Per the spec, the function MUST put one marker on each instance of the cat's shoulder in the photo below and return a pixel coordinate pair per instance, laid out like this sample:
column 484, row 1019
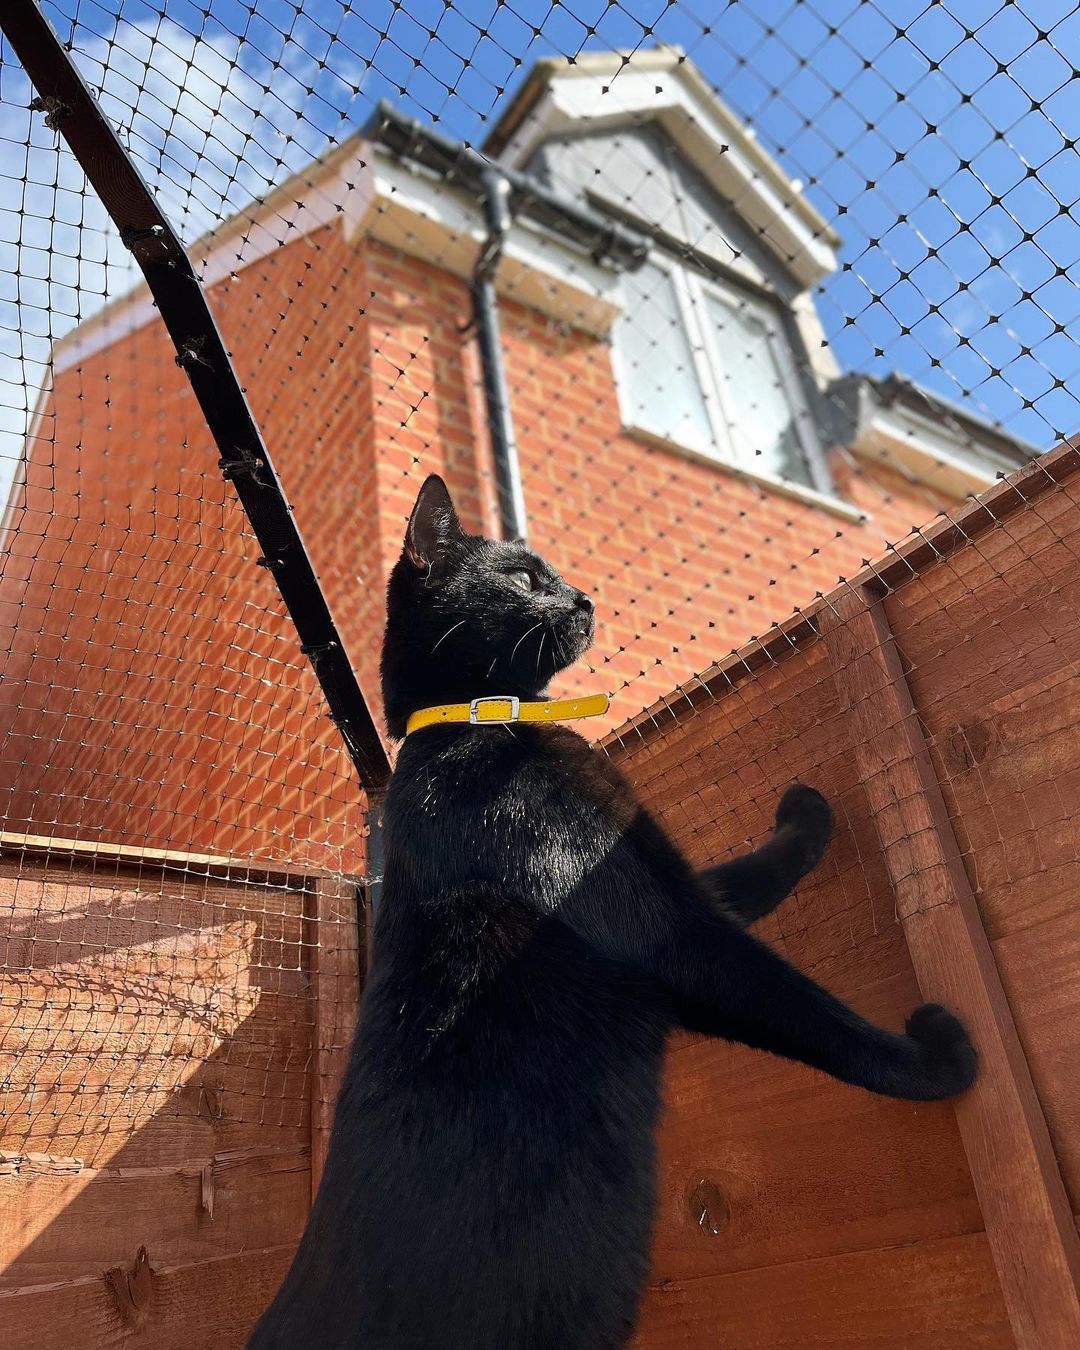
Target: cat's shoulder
column 490, row 756
column 569, row 749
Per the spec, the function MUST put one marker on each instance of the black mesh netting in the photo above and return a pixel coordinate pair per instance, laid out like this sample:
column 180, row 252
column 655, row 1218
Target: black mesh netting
column 783, row 287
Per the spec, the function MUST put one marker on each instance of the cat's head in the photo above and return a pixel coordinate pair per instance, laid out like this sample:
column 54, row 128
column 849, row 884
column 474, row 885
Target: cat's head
column 469, row 617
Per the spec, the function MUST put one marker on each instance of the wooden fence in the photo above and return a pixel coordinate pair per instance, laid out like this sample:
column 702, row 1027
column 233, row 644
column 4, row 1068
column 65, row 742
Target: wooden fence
column 172, row 1035
column 173, row 1027
column 934, row 699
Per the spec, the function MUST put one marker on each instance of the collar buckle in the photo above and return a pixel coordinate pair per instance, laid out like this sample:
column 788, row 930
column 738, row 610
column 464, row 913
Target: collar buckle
column 476, row 718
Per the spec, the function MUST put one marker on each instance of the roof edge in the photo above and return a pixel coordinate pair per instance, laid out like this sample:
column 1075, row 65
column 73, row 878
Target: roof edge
column 662, row 56
column 893, row 390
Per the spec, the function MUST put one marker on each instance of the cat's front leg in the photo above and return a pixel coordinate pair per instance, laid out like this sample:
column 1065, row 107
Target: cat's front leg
column 751, row 886
column 725, row 982
column 640, row 904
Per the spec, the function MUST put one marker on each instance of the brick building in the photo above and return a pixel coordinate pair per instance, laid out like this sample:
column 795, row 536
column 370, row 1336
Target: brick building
column 681, row 444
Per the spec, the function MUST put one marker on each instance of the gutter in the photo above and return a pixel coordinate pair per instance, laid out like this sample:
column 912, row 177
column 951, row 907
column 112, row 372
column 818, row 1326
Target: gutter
column 504, row 193
column 407, row 138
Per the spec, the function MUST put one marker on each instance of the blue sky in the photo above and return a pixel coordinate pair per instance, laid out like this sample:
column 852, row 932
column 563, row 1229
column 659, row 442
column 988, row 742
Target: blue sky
column 936, row 138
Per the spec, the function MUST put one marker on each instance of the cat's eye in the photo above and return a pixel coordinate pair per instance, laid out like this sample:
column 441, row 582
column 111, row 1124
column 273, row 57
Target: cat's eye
column 521, row 578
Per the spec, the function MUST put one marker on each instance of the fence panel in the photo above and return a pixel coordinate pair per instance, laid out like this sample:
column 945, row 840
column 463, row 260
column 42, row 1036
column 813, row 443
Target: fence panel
column 902, row 695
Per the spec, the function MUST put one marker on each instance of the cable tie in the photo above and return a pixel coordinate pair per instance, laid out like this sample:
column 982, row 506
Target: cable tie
column 317, row 649
column 131, row 235
column 55, row 109
column 244, row 465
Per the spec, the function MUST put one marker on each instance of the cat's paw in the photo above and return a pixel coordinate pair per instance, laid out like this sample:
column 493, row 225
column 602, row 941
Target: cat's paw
column 949, row 1059
column 804, row 810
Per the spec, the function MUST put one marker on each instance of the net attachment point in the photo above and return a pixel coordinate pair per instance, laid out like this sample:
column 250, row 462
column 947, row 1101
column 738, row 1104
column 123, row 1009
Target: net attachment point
column 248, row 465
column 131, row 235
column 55, row 109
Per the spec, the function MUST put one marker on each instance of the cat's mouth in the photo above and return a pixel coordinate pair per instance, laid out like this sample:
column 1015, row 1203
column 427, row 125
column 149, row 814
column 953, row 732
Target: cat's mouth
column 576, row 635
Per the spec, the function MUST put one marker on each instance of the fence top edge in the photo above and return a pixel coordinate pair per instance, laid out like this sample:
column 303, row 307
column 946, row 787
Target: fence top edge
column 222, row 867
column 896, row 567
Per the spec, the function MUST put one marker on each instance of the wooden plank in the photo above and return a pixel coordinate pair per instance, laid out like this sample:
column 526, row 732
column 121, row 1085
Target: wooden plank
column 1010, row 776
column 763, row 1162
column 205, row 1305
column 64, row 1224
column 762, row 1136
column 149, row 1019
column 53, row 847
column 1028, row 1220
column 1039, row 969
column 185, row 1134
column 939, row 1295
column 991, row 662
column 334, row 961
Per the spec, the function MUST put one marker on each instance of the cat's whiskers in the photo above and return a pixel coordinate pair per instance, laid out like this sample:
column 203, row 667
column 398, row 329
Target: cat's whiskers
column 447, row 634
column 522, row 638
column 540, row 652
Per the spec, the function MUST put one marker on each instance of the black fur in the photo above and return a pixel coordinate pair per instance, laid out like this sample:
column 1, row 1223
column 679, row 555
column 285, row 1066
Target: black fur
column 490, row 1178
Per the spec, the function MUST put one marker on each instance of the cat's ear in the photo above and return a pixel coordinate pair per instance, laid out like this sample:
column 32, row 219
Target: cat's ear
column 433, row 524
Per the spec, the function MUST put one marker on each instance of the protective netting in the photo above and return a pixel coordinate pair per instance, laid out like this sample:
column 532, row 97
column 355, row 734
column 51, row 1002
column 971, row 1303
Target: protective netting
column 781, row 287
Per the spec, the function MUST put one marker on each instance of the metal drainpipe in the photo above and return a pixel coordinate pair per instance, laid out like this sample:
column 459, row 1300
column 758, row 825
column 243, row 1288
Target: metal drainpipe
column 497, row 217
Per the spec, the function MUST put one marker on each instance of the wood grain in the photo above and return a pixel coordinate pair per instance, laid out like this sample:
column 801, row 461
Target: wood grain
column 795, row 1169
column 334, row 961
column 804, row 1167
column 58, row 1226
column 156, row 1032
column 203, row 1305
column 991, row 662
column 149, row 1013
column 1028, row 1221
column 937, row 1295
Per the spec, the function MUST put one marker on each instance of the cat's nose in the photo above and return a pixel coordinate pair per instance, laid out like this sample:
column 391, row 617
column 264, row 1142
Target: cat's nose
column 583, row 601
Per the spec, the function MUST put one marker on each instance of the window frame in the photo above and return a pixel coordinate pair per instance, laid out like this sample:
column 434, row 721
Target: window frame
column 690, row 289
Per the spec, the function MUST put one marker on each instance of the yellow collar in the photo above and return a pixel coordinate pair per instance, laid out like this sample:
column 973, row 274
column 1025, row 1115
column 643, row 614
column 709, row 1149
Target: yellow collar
column 496, row 709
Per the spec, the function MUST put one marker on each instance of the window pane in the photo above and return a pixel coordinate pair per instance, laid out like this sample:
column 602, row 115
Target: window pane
column 763, row 429
column 661, row 388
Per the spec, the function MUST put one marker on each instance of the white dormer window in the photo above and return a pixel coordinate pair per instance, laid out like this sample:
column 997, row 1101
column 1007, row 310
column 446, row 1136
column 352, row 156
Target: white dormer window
column 707, row 367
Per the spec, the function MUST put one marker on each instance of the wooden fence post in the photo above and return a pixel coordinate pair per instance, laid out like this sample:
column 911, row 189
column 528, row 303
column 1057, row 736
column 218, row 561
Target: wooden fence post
column 1025, row 1207
column 332, row 943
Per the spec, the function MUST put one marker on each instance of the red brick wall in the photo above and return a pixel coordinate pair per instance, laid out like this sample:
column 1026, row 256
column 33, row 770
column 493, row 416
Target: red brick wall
column 154, row 692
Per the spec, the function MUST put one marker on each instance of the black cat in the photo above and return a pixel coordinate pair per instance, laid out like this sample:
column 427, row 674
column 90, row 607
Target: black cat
column 490, row 1178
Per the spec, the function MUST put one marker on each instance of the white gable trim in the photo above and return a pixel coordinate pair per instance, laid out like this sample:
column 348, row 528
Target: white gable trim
column 299, row 207
column 928, row 451
column 16, row 494
column 718, row 145
column 414, row 210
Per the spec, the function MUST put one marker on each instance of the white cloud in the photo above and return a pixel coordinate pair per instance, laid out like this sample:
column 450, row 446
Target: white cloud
column 58, row 259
